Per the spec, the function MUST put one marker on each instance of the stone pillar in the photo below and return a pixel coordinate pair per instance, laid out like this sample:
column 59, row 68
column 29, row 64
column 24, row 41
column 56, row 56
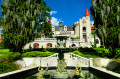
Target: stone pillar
column 90, row 62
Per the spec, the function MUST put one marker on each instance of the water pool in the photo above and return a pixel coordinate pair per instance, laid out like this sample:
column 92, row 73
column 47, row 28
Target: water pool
column 70, row 73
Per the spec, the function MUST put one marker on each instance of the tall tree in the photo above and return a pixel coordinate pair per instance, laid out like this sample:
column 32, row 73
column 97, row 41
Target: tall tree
column 21, row 21
column 106, row 15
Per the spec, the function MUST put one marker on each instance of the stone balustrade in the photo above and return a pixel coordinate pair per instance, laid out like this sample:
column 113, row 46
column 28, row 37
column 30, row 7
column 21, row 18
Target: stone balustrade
column 83, row 60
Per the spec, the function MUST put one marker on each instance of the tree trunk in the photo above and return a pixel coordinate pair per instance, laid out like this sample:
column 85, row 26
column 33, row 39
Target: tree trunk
column 118, row 40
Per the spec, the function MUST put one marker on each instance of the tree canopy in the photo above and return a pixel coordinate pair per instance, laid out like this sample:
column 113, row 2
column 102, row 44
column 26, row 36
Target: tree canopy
column 106, row 15
column 21, row 20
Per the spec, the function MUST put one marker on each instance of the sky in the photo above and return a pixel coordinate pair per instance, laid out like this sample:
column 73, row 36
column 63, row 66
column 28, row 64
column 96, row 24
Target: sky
column 69, row 11
column 0, row 7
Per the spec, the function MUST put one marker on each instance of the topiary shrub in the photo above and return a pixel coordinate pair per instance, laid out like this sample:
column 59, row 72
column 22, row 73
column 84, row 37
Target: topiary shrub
column 14, row 56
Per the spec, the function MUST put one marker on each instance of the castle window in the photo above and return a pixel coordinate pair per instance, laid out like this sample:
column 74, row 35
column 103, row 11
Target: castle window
column 49, row 45
column 84, row 21
column 35, row 45
column 97, row 41
column 84, row 29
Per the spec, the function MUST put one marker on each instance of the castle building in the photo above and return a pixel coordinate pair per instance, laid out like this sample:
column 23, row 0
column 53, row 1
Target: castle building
column 80, row 34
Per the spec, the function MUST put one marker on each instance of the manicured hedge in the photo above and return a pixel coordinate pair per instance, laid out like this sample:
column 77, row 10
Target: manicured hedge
column 37, row 54
column 14, row 56
column 87, row 54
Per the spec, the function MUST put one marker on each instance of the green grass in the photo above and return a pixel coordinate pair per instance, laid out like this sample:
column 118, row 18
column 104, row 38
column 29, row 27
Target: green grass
column 87, row 54
column 38, row 54
column 4, row 53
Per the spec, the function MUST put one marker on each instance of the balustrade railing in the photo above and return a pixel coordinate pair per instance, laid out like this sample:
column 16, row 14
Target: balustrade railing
column 45, row 39
column 83, row 60
column 49, row 60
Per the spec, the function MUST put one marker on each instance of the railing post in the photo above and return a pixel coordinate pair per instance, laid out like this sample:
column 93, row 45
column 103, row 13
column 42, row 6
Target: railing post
column 90, row 62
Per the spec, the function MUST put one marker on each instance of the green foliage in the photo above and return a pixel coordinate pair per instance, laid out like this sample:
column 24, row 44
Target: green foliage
column 55, row 46
column 30, row 46
column 69, row 45
column 99, row 50
column 14, row 56
column 21, row 20
column 106, row 15
column 1, row 46
column 42, row 46
column 85, row 47
column 117, row 54
column 102, row 50
column 86, row 54
column 4, row 53
column 77, row 37
column 75, row 52
column 6, row 66
column 46, row 28
column 37, row 54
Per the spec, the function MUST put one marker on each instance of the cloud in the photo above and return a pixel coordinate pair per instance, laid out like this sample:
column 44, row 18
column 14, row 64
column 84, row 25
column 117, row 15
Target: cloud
column 53, row 12
column 54, row 21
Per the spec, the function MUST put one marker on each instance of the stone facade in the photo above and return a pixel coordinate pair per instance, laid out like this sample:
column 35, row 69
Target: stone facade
column 82, row 29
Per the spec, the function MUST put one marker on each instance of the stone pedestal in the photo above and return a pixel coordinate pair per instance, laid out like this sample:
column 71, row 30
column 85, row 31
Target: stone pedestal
column 61, row 71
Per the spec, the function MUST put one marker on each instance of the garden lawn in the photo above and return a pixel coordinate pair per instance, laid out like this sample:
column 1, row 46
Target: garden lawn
column 37, row 54
column 4, row 53
column 87, row 54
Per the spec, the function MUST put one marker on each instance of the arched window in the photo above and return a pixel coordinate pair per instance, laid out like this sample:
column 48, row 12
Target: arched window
column 84, row 29
column 73, row 45
column 49, row 45
column 97, row 41
column 35, row 45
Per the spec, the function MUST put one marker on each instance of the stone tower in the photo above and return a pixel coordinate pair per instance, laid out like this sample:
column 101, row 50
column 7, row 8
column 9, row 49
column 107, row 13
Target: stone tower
column 83, row 28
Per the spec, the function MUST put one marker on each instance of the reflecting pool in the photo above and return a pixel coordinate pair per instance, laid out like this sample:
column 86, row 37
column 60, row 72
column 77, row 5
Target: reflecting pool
column 70, row 73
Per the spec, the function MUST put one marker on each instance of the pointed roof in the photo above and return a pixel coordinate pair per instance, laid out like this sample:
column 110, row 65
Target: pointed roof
column 87, row 12
column 49, row 21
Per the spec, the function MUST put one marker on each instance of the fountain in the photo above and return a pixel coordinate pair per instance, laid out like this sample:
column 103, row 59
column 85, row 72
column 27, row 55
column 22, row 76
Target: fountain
column 61, row 71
